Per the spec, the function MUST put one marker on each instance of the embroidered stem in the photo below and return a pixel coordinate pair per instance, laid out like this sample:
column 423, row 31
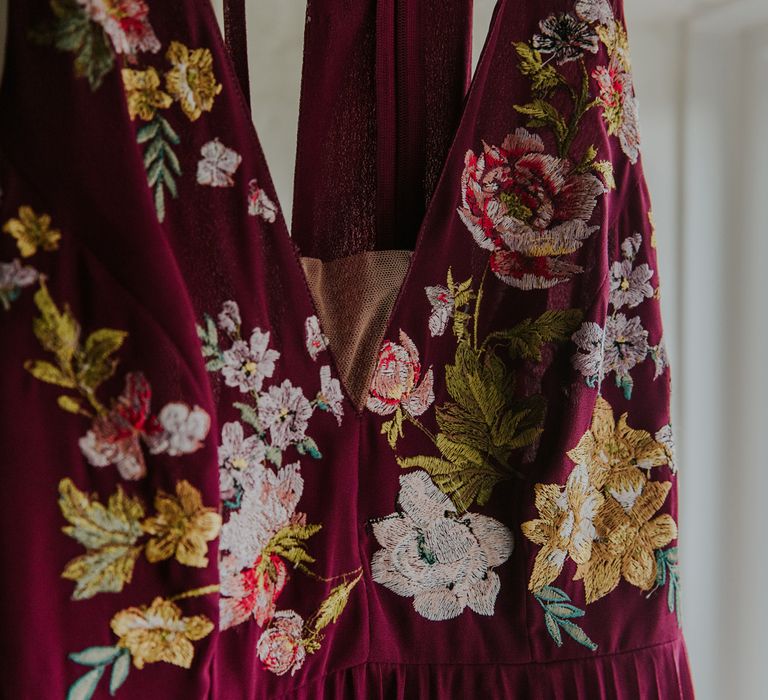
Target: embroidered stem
column 196, row 593
column 420, row 426
column 479, row 299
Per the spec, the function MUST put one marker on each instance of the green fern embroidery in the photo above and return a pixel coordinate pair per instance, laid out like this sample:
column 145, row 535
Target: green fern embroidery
column 160, row 161
column 559, row 614
column 667, row 571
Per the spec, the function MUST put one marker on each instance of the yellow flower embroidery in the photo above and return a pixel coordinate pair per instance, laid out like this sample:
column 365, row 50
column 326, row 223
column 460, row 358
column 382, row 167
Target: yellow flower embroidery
column 627, row 537
column 191, row 81
column 32, row 231
column 615, row 455
column 565, row 527
column 182, row 527
column 143, row 93
column 158, row 632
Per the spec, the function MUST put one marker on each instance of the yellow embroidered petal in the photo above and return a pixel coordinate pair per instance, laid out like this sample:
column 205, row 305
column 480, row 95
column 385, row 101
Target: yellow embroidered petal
column 32, row 231
column 537, row 531
column 143, row 93
column 191, row 81
column 547, row 567
column 660, row 531
column 158, row 632
column 182, row 527
column 639, row 566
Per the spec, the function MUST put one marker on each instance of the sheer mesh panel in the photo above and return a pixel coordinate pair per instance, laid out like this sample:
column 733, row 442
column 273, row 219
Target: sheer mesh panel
column 354, row 297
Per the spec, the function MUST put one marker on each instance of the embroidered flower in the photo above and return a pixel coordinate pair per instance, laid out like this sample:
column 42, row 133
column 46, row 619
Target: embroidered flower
column 628, row 536
column 143, row 93
column 259, row 203
column 444, row 561
column 115, row 436
column 252, row 592
column 32, row 231
column 397, row 380
column 528, row 208
column 158, row 632
column 241, row 459
column 285, row 412
column 191, row 81
column 620, row 109
column 184, row 428
column 630, row 285
column 182, row 527
column 229, row 317
column 265, row 509
column 626, row 345
column 331, row 397
column 565, row 37
column 281, row 647
column 615, row 455
column 660, row 358
column 315, row 339
column 217, row 165
column 246, row 365
column 126, row 24
column 565, row 526
column 588, row 360
column 594, row 11
column 666, row 437
column 441, row 300
column 13, row 278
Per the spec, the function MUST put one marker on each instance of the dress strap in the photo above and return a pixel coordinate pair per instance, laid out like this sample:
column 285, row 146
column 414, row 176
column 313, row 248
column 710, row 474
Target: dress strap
column 236, row 38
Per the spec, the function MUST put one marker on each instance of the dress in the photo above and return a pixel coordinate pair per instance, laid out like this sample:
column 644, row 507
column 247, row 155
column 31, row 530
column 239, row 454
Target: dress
column 418, row 448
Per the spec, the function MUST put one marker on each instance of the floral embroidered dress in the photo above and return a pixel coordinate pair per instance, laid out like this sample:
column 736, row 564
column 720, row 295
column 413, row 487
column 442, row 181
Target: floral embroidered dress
column 200, row 499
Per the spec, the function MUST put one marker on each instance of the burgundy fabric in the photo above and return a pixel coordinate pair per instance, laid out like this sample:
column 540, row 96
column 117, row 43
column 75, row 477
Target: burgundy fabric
column 237, row 41
column 365, row 173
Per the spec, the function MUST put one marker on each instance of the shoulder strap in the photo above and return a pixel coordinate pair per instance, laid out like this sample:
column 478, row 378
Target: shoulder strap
column 236, row 38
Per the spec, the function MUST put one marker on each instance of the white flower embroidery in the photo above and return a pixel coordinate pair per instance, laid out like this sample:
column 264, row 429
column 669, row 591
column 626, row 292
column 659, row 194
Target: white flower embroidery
column 246, row 365
column 259, row 204
column 185, row 429
column 331, row 397
column 251, row 592
column 589, row 358
column 285, row 412
column 229, row 317
column 217, row 165
column 630, row 285
column 666, row 437
column 240, row 459
column 660, row 358
column 595, row 11
column 13, row 278
column 441, row 300
column 443, row 560
column 266, row 508
column 316, row 340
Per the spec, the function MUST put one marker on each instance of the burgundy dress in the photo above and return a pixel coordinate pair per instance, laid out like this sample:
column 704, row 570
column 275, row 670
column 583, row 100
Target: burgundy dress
column 200, row 497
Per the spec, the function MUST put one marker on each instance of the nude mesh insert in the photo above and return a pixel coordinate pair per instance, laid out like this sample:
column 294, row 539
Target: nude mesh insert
column 354, row 297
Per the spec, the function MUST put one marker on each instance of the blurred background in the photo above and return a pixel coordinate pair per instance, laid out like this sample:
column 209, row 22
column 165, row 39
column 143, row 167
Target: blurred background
column 701, row 73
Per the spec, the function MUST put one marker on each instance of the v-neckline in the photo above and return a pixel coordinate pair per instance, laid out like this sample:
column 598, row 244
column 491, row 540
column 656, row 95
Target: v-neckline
column 280, row 225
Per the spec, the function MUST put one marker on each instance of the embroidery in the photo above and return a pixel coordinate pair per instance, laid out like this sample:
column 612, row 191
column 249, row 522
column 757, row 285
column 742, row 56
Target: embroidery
column 605, row 519
column 623, row 343
column 316, row 341
column 191, row 81
column 284, row 645
column 146, row 634
column 112, row 534
column 442, row 559
column 442, row 302
column 667, row 572
column 559, row 614
column 263, row 532
column 13, row 278
column 32, row 231
column 125, row 23
column 485, row 421
column 217, row 165
column 259, row 203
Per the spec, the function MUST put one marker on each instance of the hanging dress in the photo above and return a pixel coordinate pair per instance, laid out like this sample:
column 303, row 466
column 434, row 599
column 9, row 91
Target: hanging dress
column 419, row 447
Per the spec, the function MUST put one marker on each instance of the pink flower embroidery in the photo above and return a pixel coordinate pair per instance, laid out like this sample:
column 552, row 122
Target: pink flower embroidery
column 126, row 24
column 251, row 592
column 620, row 107
column 441, row 301
column 397, row 380
column 280, row 647
column 259, row 203
column 527, row 208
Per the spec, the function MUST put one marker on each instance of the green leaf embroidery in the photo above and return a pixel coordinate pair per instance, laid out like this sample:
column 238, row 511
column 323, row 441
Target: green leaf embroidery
column 109, row 534
column 543, row 78
column 73, row 31
column 527, row 338
column 85, row 686
column 558, row 615
column 99, row 657
column 290, row 543
column 309, row 446
column 96, row 656
column 120, row 670
column 667, row 571
column 163, row 167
